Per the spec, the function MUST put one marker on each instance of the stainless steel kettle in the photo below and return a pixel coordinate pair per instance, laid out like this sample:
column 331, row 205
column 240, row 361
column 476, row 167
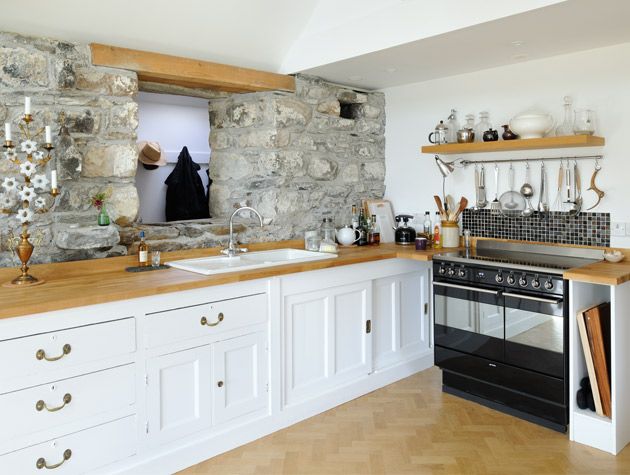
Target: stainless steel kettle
column 404, row 234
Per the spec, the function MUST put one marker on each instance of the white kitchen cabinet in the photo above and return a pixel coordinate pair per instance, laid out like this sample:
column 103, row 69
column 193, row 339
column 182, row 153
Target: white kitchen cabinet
column 179, row 394
column 326, row 339
column 401, row 322
column 239, row 376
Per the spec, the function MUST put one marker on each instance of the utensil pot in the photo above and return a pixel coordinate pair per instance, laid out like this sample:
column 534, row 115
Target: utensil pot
column 450, row 234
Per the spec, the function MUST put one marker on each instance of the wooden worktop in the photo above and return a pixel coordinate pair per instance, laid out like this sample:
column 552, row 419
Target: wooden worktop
column 89, row 282
column 604, row 273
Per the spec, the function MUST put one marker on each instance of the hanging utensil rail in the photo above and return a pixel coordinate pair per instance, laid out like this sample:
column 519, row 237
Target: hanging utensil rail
column 541, row 159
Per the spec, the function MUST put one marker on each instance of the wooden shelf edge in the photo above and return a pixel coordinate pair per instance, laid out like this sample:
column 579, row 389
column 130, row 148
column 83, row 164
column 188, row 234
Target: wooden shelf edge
column 519, row 144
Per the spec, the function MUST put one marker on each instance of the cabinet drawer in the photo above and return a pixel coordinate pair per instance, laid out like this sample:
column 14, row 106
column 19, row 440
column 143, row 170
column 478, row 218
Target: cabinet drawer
column 63, row 402
column 206, row 319
column 80, row 452
column 47, row 352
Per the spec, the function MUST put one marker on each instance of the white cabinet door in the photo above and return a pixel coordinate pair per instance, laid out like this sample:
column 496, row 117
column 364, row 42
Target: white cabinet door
column 401, row 324
column 179, row 399
column 239, row 376
column 326, row 339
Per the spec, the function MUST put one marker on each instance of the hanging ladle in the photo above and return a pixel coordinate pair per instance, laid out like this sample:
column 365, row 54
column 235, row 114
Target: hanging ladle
column 528, row 192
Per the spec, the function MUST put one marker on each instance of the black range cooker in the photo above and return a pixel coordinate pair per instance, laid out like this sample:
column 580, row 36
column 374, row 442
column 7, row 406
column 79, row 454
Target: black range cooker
column 501, row 327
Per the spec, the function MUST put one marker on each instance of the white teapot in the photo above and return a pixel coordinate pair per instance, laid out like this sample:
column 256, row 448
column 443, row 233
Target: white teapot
column 347, row 236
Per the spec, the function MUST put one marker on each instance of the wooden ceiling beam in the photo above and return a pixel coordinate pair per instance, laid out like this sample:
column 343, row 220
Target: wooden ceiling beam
column 186, row 72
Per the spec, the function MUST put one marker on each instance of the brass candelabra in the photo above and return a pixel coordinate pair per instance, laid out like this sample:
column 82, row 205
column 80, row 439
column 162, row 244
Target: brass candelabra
column 29, row 196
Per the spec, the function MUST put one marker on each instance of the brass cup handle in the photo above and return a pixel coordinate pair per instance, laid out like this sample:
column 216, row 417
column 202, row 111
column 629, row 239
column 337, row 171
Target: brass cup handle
column 41, row 354
column 204, row 320
column 41, row 405
column 41, row 462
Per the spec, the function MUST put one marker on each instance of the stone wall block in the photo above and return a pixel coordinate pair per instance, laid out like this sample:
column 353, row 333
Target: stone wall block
column 23, row 68
column 373, row 171
column 220, row 139
column 326, row 124
column 370, row 126
column 124, row 116
column 124, row 204
column 244, row 114
column 346, row 96
column 289, row 112
column 282, row 163
column 329, row 107
column 82, row 121
column 65, row 74
column 106, row 81
column 262, row 138
column 367, row 111
column 350, row 173
column 226, row 165
column 90, row 237
column 119, row 161
column 322, row 169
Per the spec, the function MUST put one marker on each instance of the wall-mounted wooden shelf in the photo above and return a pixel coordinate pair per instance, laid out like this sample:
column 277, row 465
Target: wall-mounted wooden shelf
column 567, row 141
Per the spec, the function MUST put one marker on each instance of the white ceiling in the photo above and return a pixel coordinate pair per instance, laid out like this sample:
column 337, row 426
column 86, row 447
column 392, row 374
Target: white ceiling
column 247, row 33
column 370, row 44
column 561, row 28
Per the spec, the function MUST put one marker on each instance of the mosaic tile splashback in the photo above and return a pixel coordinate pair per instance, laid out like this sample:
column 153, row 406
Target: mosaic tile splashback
column 586, row 229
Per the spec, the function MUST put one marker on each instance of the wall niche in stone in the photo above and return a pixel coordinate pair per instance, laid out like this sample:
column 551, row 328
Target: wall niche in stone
column 174, row 122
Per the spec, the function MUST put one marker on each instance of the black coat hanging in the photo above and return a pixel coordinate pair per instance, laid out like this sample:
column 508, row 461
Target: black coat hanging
column 185, row 195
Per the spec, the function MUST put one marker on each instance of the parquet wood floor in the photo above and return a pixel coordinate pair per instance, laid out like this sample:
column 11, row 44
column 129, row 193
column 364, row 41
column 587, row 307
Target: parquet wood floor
column 411, row 427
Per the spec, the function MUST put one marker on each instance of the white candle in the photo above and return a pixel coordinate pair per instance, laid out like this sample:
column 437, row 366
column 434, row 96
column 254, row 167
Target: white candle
column 53, row 179
column 27, row 105
column 7, row 131
column 48, row 134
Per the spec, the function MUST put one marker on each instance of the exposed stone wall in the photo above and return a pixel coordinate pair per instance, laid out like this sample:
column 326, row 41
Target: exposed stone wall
column 101, row 116
column 291, row 156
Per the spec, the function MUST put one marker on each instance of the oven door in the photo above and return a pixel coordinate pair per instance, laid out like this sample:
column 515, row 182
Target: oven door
column 535, row 332
column 469, row 319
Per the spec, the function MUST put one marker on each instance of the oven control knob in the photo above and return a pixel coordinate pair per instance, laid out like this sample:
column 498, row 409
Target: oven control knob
column 522, row 281
column 511, row 279
column 498, row 277
column 462, row 273
column 442, row 270
column 451, row 272
column 549, row 284
column 535, row 283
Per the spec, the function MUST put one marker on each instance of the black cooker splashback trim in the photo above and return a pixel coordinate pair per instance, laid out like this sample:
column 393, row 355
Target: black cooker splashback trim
column 586, row 229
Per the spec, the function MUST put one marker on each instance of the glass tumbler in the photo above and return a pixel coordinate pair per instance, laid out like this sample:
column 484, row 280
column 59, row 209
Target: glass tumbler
column 584, row 123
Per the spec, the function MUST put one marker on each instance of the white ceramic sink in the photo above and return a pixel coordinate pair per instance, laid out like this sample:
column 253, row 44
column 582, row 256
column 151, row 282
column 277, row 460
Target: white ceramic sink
column 246, row 261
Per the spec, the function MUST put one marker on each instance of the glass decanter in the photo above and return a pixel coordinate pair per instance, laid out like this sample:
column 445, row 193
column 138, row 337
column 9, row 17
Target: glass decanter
column 453, row 126
column 566, row 127
column 483, row 125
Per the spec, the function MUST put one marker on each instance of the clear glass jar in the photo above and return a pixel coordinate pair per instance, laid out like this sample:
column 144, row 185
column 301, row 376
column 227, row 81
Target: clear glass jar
column 584, row 122
column 453, row 126
column 566, row 128
column 328, row 230
column 483, row 125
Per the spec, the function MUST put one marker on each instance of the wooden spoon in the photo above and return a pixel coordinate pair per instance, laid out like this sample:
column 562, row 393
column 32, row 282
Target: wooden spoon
column 463, row 202
column 438, row 202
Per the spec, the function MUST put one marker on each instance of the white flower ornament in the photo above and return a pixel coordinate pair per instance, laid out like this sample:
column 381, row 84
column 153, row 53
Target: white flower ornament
column 27, row 193
column 28, row 146
column 27, row 168
column 40, row 202
column 7, row 201
column 24, row 215
column 39, row 181
column 9, row 183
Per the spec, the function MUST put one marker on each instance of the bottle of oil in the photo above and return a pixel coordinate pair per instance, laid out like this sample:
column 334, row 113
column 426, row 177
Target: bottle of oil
column 143, row 251
column 374, row 236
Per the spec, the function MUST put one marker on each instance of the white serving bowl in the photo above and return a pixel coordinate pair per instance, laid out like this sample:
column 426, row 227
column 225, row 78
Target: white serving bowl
column 613, row 256
column 531, row 124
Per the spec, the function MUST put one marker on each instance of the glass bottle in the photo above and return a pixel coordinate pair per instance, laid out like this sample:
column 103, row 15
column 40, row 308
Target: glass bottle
column 453, row 126
column 103, row 217
column 566, row 127
column 483, row 125
column 427, row 224
column 437, row 225
column 584, row 122
column 363, row 238
column 143, row 252
column 374, row 237
column 355, row 217
column 328, row 229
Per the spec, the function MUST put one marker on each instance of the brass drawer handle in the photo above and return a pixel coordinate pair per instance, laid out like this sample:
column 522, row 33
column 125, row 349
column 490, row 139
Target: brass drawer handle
column 41, row 405
column 41, row 462
column 220, row 384
column 204, row 321
column 41, row 354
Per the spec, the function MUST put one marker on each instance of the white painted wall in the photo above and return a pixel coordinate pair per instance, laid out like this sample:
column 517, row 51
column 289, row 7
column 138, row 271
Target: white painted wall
column 596, row 78
column 174, row 122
